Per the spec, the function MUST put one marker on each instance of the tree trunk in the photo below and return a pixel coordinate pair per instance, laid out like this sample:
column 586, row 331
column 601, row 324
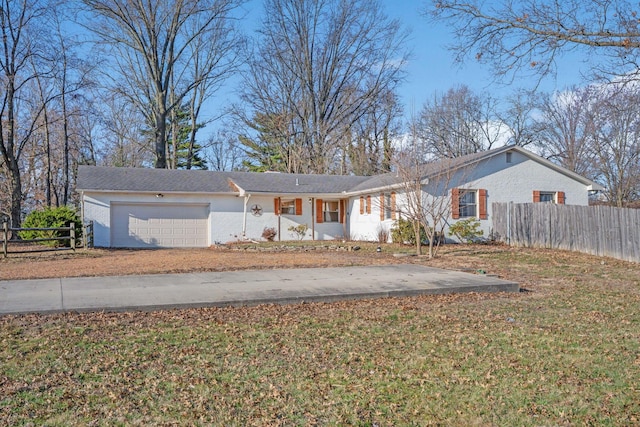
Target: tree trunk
column 47, row 141
column 16, row 196
column 65, row 160
column 161, row 141
column 12, row 160
column 416, row 231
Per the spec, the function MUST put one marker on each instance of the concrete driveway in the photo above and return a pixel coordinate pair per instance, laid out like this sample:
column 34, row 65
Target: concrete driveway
column 237, row 288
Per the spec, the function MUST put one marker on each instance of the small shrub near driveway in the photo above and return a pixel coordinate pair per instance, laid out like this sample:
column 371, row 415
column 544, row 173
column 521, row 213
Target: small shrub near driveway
column 402, row 232
column 467, row 230
column 269, row 233
column 49, row 217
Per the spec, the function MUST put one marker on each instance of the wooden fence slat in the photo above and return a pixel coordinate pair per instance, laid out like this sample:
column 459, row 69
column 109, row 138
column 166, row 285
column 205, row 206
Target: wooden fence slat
column 597, row 230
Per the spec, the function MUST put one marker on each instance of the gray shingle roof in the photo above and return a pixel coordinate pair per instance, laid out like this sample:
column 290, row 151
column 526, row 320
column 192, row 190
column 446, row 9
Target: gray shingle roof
column 166, row 180
column 144, row 179
column 190, row 181
column 294, row 183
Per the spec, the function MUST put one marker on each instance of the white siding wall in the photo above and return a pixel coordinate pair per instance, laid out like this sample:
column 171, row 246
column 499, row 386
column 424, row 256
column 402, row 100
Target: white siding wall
column 504, row 182
column 97, row 209
column 366, row 227
column 363, row 227
column 225, row 219
column 516, row 182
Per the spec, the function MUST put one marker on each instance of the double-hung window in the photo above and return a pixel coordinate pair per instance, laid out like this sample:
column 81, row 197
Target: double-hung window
column 548, row 197
column 387, row 206
column 468, row 203
column 365, row 205
column 287, row 206
column 331, row 211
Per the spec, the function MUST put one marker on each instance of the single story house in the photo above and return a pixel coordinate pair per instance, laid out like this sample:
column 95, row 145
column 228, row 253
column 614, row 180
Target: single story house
column 141, row 207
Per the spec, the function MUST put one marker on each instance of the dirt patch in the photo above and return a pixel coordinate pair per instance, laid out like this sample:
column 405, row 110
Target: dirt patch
column 481, row 259
column 110, row 262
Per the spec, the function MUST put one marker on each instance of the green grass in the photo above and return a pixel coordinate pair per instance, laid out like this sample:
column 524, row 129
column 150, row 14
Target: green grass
column 566, row 353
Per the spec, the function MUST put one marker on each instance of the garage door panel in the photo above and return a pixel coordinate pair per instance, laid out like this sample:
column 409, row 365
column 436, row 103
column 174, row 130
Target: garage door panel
column 159, row 225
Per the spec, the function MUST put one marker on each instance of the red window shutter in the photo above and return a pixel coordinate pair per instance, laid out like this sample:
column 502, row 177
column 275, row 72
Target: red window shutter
column 361, row 205
column 482, row 203
column 381, row 207
column 560, row 197
column 393, row 205
column 536, row 196
column 298, row 206
column 343, row 211
column 455, row 203
column 369, row 205
column 319, row 212
column 276, row 205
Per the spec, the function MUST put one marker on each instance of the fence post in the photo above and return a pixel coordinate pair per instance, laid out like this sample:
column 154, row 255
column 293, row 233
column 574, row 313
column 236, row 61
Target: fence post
column 87, row 235
column 509, row 223
column 5, row 232
column 72, row 235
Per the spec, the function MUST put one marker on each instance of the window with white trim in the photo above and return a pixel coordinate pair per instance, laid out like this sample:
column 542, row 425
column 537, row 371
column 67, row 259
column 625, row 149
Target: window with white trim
column 288, row 207
column 547, row 197
column 387, row 206
column 331, row 211
column 468, row 203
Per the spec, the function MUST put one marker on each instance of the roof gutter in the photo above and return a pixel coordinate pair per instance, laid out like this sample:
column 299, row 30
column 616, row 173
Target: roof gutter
column 153, row 193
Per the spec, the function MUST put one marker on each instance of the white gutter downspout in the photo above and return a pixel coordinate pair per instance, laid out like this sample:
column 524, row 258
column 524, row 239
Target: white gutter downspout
column 244, row 217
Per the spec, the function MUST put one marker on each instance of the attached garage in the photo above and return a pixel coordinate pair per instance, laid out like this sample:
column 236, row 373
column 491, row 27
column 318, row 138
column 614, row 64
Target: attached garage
column 156, row 225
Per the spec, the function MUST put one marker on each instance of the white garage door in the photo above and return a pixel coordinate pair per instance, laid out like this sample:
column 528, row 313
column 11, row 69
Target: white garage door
column 159, row 225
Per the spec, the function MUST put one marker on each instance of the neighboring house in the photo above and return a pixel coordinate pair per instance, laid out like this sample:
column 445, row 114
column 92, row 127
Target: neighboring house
column 136, row 207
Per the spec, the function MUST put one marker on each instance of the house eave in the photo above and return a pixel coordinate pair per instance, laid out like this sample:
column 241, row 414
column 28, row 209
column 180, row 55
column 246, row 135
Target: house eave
column 155, row 192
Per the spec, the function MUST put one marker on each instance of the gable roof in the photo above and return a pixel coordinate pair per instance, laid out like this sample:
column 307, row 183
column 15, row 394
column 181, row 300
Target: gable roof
column 252, row 182
column 433, row 169
column 100, row 178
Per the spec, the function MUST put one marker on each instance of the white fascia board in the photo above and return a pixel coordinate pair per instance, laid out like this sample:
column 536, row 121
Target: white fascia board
column 189, row 193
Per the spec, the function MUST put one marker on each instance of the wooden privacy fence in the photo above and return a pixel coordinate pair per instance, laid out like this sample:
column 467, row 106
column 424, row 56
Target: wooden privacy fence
column 596, row 230
column 71, row 237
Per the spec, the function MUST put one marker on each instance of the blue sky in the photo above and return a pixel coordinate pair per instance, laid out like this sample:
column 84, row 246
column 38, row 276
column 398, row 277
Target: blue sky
column 432, row 69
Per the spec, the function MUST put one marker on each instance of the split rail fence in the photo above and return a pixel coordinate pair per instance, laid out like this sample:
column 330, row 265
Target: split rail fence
column 596, row 230
column 7, row 233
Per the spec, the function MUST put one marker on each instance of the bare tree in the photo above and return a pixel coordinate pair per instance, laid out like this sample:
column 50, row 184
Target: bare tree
column 155, row 46
column 595, row 131
column 224, row 152
column 565, row 130
column 121, row 130
column 426, row 189
column 518, row 119
column 528, row 36
column 458, row 123
column 371, row 150
column 20, row 28
column 616, row 142
column 320, row 66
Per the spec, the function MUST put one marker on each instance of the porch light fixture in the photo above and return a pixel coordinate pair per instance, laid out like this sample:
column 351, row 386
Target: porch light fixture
column 159, row 195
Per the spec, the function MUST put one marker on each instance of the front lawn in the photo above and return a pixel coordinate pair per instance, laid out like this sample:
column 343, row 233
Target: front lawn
column 567, row 351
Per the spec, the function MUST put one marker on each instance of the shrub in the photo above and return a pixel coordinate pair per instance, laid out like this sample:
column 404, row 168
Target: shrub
column 466, row 230
column 383, row 234
column 49, row 217
column 402, row 232
column 269, row 233
column 299, row 231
